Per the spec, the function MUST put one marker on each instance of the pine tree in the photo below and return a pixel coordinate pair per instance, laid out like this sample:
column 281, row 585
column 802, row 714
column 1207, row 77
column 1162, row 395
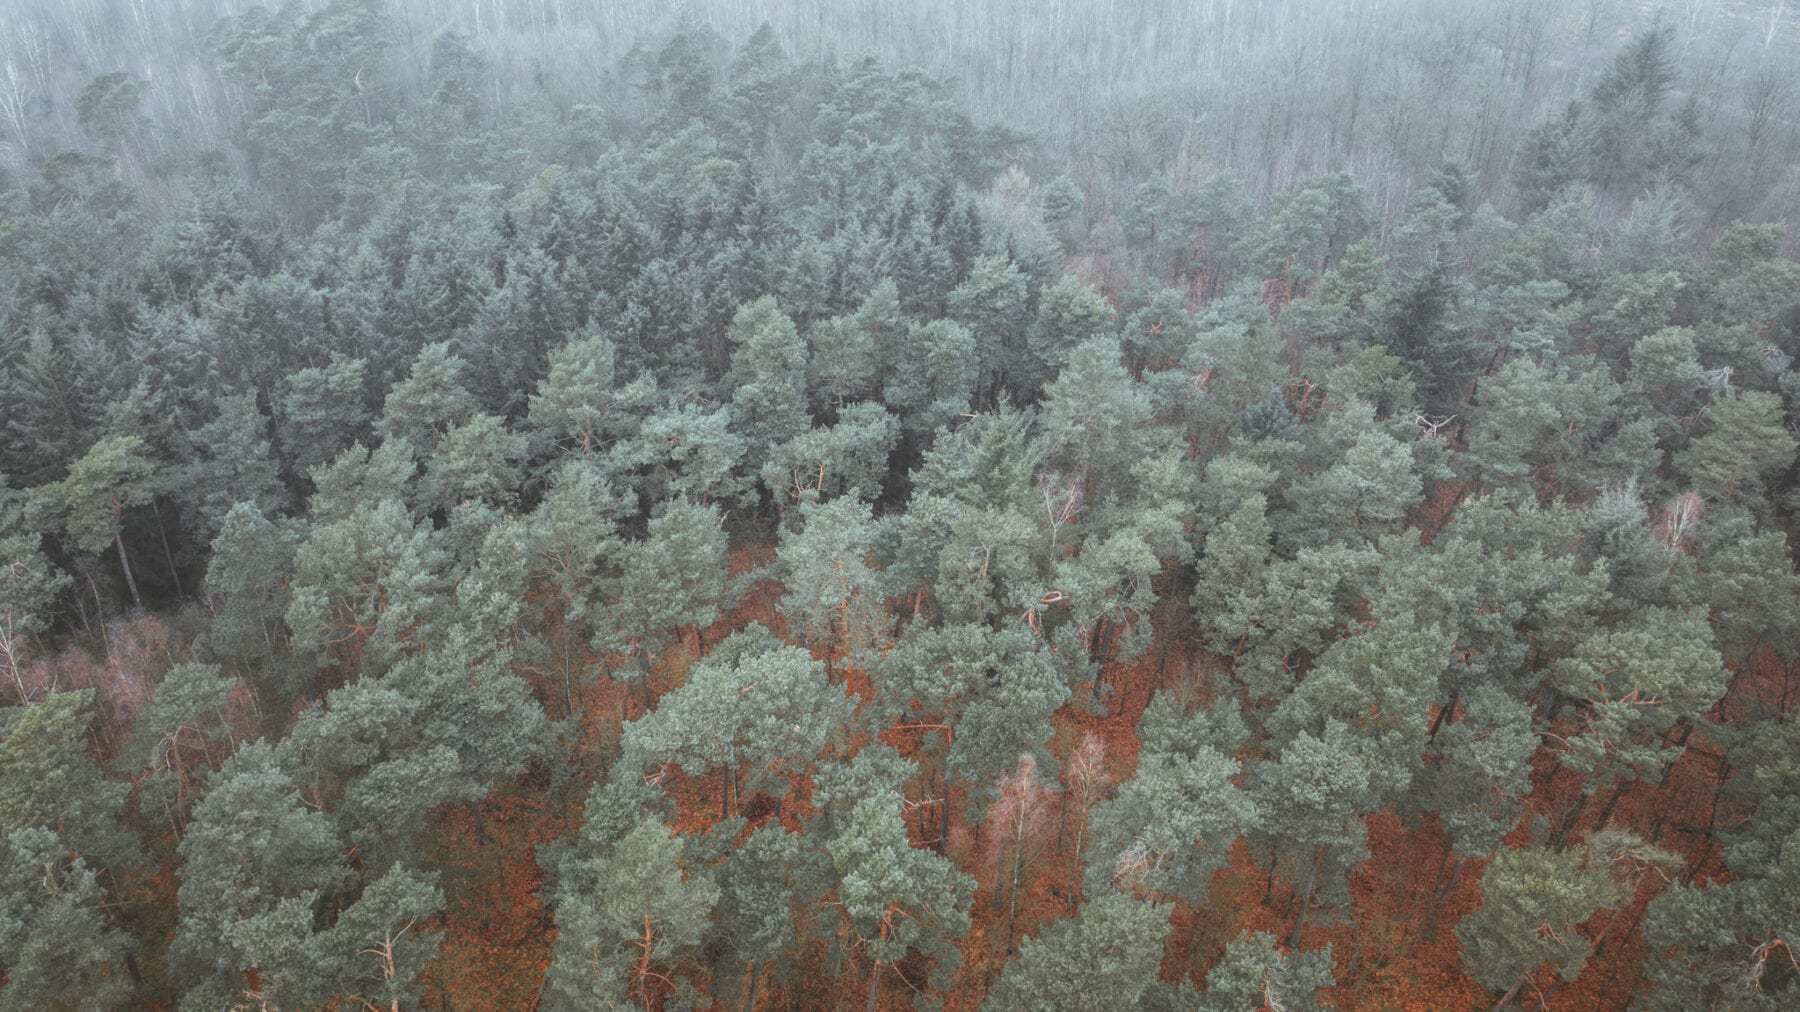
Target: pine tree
column 896, row 899
column 1551, row 160
column 768, row 367
column 994, row 304
column 322, row 412
column 1112, row 948
column 48, row 781
column 113, row 476
column 424, row 406
column 1532, row 899
column 1165, row 831
column 29, row 588
column 675, row 580
column 629, row 907
column 58, row 946
column 232, row 464
column 754, row 705
column 834, row 598
column 1255, row 972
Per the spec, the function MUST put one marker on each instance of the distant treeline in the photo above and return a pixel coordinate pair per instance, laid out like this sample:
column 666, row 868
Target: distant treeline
column 1271, row 92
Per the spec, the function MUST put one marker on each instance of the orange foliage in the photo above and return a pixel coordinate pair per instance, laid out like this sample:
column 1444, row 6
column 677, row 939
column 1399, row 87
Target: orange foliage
column 497, row 933
column 1396, row 949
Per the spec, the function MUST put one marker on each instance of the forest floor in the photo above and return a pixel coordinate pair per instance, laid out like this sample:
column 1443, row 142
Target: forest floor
column 1397, row 949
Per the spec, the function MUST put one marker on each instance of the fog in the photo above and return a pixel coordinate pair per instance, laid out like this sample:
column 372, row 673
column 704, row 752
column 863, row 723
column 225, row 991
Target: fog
column 1269, row 91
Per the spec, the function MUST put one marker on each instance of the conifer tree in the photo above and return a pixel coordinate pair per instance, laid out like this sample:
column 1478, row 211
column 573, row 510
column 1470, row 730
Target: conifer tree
column 1110, row 948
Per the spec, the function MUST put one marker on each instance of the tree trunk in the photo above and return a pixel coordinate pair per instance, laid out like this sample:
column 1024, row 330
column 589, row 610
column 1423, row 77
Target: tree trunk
column 1712, row 815
column 944, row 817
column 640, row 687
column 1012, row 895
column 1442, row 715
column 168, row 556
column 874, row 981
column 568, row 676
column 125, row 564
column 1443, row 898
column 1607, row 812
column 1312, row 879
column 1076, row 868
column 644, row 966
column 81, row 610
column 481, row 830
column 1681, row 740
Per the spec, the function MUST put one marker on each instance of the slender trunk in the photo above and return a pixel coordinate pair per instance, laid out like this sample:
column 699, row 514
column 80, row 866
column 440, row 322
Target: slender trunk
column 640, row 686
column 1687, row 731
column 1312, row 879
column 1572, row 818
column 99, row 613
column 1712, row 815
column 81, row 612
column 944, row 816
column 1506, row 999
column 12, row 664
column 125, row 564
column 1075, row 872
column 1012, row 891
column 1443, row 714
column 1437, row 877
column 1566, row 823
column 1443, row 899
column 644, row 966
column 481, row 833
column 843, row 639
column 874, row 981
column 168, row 556
column 1607, row 812
column 568, row 676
